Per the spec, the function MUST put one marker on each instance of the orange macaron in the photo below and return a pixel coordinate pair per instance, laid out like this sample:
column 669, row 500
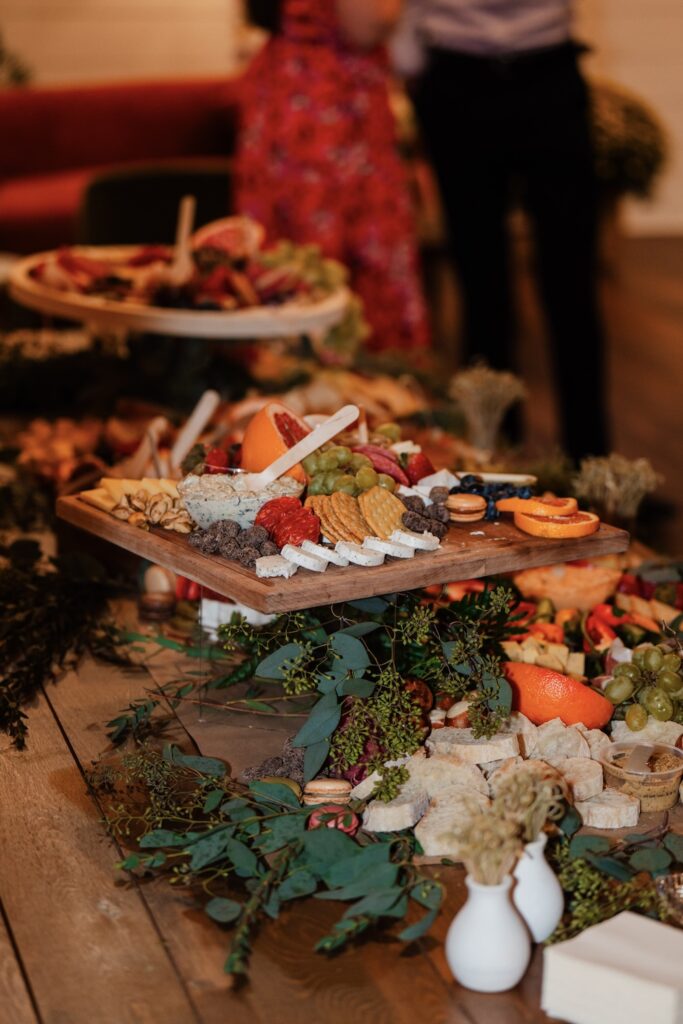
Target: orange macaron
column 466, row 508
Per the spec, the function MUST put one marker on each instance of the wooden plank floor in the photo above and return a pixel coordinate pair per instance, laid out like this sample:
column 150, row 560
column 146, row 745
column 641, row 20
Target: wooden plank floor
column 78, row 946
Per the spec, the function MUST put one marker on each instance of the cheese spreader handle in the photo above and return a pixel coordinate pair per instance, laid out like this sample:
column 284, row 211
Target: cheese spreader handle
column 318, row 436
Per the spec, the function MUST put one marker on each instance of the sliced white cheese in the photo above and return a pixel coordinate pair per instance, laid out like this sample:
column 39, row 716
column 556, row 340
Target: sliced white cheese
column 525, row 730
column 389, row 547
column 461, row 743
column 582, row 775
column 598, row 742
column 303, row 558
column 437, row 832
column 402, row 812
column 98, row 498
column 269, row 566
column 611, row 809
column 440, row 771
column 654, row 732
column 421, row 541
column 327, row 553
column 162, row 485
column 357, row 554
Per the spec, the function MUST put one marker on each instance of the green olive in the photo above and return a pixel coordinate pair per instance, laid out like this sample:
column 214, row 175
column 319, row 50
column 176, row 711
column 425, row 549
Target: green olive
column 636, row 718
column 652, row 660
column 619, row 690
column 659, row 704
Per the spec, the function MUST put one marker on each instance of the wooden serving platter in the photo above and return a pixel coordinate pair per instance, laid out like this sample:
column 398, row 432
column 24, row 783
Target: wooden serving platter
column 471, row 551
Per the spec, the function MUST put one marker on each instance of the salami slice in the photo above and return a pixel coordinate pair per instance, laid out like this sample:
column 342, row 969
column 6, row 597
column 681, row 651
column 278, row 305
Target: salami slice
column 297, row 528
column 270, row 514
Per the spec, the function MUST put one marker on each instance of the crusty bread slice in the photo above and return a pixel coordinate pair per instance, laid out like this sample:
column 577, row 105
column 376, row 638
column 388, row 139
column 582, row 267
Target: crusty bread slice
column 461, row 743
column 441, row 771
column 582, row 775
column 611, row 809
column 402, row 812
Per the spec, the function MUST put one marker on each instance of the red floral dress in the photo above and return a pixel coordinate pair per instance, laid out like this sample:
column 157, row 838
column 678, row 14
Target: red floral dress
column 318, row 162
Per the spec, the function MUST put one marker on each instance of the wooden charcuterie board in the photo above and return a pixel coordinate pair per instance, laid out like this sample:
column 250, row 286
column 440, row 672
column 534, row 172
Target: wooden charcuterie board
column 469, row 551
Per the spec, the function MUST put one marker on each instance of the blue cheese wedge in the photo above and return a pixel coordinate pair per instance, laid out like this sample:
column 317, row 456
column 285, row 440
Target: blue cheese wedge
column 269, row 566
column 213, row 497
column 325, row 552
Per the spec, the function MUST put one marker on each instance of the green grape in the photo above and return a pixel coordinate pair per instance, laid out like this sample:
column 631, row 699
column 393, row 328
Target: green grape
column 636, row 718
column 659, row 704
column 672, row 662
column 639, row 655
column 359, row 461
column 387, row 482
column 366, row 477
column 331, row 478
column 390, row 430
column 628, row 670
column 327, row 461
column 652, row 660
column 310, row 464
column 619, row 690
column 669, row 681
column 317, row 484
column 345, row 482
column 644, row 694
column 341, row 453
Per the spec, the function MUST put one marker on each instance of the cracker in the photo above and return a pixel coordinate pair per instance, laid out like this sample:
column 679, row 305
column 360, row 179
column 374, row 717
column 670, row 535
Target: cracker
column 383, row 512
column 332, row 529
column 346, row 508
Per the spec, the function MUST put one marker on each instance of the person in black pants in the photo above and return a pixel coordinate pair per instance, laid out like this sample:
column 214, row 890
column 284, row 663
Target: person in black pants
column 505, row 125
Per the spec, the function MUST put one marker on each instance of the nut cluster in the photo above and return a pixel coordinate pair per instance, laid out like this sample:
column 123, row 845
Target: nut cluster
column 144, row 510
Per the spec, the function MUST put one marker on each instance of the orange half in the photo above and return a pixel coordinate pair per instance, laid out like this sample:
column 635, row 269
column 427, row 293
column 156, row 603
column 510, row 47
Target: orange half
column 269, row 434
column 539, row 506
column 543, row 694
column 578, row 524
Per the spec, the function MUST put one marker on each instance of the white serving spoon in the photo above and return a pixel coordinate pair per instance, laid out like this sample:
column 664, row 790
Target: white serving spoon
column 135, row 465
column 181, row 268
column 318, row 436
column 197, row 420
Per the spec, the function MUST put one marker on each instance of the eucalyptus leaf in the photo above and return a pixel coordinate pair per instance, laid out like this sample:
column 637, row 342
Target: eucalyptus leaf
column 314, row 758
column 257, row 705
column 223, row 910
column 352, row 652
column 328, row 683
column 275, row 791
column 361, row 628
column 281, row 831
column 131, row 861
column 382, row 876
column 581, row 845
column 346, row 870
column 162, row 837
column 300, row 883
column 371, row 605
column 420, row 928
column 210, row 848
column 612, row 867
column 213, row 799
column 326, row 847
column 674, row 844
column 321, row 722
column 206, row 765
column 356, row 688
column 273, row 666
column 571, row 822
column 501, row 697
column 655, row 860
column 428, row 894
column 378, row 903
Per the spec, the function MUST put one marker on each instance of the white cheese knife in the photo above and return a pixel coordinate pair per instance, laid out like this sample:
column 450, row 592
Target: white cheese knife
column 322, row 433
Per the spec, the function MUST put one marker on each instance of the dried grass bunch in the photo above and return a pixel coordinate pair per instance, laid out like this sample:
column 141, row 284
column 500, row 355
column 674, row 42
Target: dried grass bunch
column 484, row 396
column 490, row 846
column 529, row 798
column 615, row 485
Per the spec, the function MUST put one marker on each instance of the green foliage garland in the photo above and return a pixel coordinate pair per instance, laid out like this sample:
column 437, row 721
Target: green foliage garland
column 248, row 851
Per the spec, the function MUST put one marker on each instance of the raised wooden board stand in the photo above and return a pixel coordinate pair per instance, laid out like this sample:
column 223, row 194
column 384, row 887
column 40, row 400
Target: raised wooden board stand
column 475, row 550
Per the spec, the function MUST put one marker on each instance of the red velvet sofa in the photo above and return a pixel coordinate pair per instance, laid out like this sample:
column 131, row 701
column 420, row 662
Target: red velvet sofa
column 55, row 139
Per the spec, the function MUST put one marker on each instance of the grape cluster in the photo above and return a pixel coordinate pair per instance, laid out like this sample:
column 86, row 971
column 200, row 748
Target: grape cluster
column 337, row 468
column 492, row 492
column 652, row 684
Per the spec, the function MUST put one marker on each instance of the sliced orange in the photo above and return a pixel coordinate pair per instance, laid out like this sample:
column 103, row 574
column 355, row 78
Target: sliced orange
column 269, row 434
column 543, row 694
column 578, row 524
column 539, row 506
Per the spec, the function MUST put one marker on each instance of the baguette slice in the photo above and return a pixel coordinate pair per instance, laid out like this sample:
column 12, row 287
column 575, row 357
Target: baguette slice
column 402, row 812
column 442, row 771
column 582, row 775
column 598, row 742
column 611, row 809
column 555, row 739
column 460, row 743
column 437, row 832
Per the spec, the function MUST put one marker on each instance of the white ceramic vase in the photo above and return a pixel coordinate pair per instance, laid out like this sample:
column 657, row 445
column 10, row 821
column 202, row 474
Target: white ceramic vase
column 537, row 893
column 487, row 945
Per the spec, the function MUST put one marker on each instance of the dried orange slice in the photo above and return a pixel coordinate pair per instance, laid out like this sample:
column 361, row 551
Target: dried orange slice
column 578, row 524
column 539, row 506
column 269, row 434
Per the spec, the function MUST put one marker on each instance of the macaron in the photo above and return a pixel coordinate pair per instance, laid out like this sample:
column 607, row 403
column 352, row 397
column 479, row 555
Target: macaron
column 322, row 791
column 466, row 508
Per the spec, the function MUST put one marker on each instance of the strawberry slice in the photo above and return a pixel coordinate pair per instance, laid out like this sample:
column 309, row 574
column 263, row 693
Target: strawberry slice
column 417, row 466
